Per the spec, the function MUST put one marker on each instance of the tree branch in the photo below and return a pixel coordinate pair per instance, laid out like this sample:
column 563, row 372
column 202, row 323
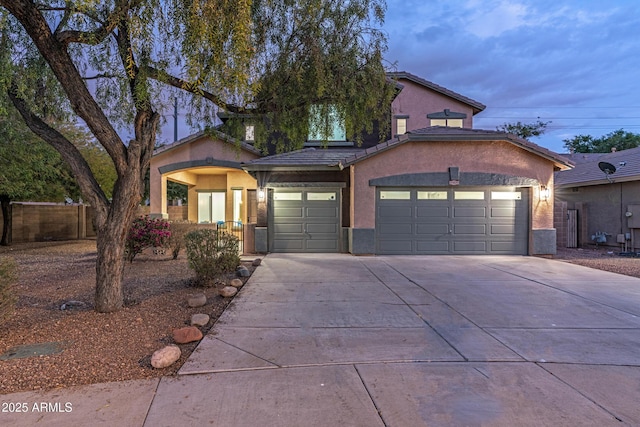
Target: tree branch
column 96, row 36
column 62, row 65
column 164, row 77
column 79, row 166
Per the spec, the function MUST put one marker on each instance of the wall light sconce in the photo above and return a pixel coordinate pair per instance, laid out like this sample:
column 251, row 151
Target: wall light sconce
column 545, row 192
column 261, row 194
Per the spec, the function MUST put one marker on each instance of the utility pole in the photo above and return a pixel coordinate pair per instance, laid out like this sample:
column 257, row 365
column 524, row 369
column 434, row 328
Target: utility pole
column 175, row 119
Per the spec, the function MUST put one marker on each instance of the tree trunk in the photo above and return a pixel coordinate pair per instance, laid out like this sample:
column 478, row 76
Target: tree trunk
column 113, row 224
column 111, row 239
column 7, row 217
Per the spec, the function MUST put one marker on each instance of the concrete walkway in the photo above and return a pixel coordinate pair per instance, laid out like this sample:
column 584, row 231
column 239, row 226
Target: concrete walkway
column 337, row 340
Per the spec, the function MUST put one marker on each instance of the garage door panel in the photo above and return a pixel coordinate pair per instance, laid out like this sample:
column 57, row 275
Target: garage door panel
column 469, row 246
column 508, row 212
column 432, row 247
column 470, row 220
column 432, row 212
column 287, row 213
column 322, row 212
column 396, row 246
column 329, row 228
column 288, row 228
column 287, row 245
column 508, row 229
column 395, row 211
column 503, row 247
column 435, row 229
column 469, row 212
column 478, row 229
column 322, row 244
column 391, row 229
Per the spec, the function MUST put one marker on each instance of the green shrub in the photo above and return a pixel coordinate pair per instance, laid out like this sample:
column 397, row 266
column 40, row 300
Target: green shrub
column 211, row 253
column 179, row 230
column 8, row 277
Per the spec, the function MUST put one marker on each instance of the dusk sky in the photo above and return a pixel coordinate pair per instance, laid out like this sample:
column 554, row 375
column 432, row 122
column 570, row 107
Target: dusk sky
column 575, row 63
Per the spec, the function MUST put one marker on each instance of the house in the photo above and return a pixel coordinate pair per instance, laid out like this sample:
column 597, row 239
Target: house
column 437, row 187
column 598, row 202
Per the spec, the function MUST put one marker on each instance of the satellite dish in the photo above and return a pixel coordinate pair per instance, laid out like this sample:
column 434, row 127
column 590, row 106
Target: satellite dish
column 607, row 168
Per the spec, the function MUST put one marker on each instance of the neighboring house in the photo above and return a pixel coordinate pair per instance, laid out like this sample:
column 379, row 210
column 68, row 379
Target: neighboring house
column 593, row 207
column 437, row 187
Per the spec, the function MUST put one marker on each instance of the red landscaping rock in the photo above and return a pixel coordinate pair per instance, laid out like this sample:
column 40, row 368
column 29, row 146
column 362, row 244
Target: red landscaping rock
column 187, row 334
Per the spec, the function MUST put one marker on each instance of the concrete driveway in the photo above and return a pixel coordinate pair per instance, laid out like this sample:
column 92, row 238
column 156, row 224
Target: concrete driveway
column 317, row 340
column 337, row 340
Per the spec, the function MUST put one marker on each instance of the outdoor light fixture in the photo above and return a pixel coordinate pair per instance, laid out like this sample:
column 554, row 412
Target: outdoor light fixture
column 261, row 194
column 545, row 192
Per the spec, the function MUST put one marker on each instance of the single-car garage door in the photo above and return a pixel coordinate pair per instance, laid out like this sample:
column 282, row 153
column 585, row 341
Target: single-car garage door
column 459, row 220
column 304, row 220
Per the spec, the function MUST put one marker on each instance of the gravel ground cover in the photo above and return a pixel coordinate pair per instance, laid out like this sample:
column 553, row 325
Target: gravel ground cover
column 99, row 347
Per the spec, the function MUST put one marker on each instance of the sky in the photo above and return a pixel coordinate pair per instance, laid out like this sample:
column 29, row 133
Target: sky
column 575, row 63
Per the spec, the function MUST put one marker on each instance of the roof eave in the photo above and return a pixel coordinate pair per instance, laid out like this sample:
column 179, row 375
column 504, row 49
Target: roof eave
column 290, row 168
column 614, row 180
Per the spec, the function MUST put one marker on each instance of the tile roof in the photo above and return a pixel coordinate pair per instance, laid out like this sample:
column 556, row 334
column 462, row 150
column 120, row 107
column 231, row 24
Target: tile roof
column 307, row 157
column 477, row 106
column 441, row 133
column 587, row 172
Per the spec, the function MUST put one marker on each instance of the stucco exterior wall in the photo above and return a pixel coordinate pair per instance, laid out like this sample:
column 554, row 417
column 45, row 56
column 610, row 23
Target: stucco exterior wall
column 498, row 157
column 603, row 208
column 416, row 101
column 199, row 150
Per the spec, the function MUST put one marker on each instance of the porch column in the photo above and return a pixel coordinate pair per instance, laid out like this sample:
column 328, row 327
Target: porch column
column 158, row 195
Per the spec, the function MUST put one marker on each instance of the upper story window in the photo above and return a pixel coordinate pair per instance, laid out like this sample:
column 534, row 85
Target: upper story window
column 446, row 118
column 249, row 133
column 401, row 125
column 325, row 124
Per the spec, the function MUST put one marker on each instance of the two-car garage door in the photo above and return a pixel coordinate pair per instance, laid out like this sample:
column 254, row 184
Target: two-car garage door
column 458, row 220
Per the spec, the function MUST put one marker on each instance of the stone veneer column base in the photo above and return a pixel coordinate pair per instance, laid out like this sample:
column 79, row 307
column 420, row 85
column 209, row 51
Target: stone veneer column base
column 544, row 241
column 362, row 241
column 262, row 240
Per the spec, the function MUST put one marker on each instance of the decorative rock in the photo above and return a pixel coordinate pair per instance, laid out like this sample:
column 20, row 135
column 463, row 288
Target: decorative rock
column 72, row 304
column 187, row 334
column 228, row 291
column 197, row 300
column 256, row 262
column 166, row 356
column 236, row 283
column 199, row 319
column 243, row 271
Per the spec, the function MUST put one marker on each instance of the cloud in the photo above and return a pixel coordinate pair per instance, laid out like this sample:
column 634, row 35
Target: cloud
column 492, row 18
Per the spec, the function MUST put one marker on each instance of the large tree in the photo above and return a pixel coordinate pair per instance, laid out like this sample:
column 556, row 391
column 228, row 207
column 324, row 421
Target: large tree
column 109, row 62
column 619, row 139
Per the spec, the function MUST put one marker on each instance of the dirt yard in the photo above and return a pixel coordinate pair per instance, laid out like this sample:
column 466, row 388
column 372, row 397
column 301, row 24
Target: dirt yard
column 96, row 347
column 118, row 346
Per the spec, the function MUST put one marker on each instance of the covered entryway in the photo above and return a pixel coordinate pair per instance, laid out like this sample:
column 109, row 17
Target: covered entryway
column 304, row 220
column 458, row 220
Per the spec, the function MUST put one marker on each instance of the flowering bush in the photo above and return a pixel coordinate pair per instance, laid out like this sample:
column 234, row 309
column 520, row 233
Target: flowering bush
column 146, row 233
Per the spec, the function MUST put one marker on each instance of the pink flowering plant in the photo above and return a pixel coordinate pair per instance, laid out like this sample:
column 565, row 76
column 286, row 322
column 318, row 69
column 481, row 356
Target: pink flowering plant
column 145, row 233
